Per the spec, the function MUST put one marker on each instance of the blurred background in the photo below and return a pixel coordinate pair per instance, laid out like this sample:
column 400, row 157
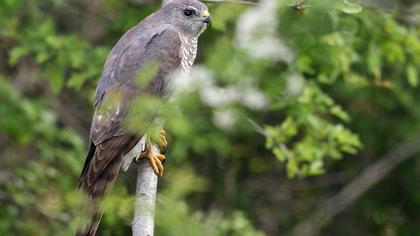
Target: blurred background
column 299, row 118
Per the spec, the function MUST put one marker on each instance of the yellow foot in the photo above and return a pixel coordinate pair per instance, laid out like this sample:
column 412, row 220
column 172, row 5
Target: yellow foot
column 163, row 143
column 155, row 159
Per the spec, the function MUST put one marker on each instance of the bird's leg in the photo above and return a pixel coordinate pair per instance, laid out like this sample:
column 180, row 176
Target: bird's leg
column 155, row 159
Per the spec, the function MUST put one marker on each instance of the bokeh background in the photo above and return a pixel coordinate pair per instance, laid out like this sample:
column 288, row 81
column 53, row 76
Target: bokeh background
column 282, row 128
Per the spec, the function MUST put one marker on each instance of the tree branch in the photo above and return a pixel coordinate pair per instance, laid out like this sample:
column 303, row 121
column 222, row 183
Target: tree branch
column 233, row 1
column 146, row 188
column 369, row 177
column 143, row 221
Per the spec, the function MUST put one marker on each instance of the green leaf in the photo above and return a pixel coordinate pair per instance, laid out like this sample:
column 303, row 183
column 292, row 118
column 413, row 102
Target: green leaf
column 281, row 156
column 148, row 71
column 412, row 76
column 374, row 60
column 55, row 78
column 42, row 57
column 316, row 168
column 351, row 8
column 54, row 41
column 292, row 168
column 77, row 80
column 16, row 54
column 339, row 112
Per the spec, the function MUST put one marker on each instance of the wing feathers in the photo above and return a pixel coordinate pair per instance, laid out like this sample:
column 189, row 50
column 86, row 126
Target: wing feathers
column 106, row 152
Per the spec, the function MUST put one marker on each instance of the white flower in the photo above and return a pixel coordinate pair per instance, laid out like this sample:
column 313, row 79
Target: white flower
column 256, row 33
column 224, row 119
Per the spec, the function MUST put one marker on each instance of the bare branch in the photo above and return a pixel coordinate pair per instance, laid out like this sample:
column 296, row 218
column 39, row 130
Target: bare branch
column 143, row 221
column 369, row 177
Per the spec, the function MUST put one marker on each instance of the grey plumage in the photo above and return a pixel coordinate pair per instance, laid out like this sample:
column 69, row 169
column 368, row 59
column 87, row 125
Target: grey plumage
column 167, row 38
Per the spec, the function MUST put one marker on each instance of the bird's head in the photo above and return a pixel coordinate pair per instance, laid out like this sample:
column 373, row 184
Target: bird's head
column 191, row 17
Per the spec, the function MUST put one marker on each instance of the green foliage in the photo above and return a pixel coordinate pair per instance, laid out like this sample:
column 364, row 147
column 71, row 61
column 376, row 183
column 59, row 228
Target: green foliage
column 314, row 136
column 39, row 190
column 57, row 55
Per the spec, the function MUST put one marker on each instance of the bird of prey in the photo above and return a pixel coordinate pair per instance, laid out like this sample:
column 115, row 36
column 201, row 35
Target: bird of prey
column 168, row 38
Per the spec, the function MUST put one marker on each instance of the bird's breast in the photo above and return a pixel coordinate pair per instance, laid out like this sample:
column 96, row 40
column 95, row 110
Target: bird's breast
column 187, row 52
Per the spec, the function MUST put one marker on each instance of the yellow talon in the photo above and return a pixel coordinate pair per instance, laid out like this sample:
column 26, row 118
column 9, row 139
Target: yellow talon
column 155, row 159
column 163, row 143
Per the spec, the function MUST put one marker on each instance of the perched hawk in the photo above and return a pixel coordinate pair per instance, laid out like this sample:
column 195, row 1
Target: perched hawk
column 168, row 38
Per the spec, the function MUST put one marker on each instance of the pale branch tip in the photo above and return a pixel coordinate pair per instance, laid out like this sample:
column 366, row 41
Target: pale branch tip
column 232, row 1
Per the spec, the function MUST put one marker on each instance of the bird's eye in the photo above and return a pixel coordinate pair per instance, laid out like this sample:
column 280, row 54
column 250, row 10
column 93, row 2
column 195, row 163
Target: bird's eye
column 188, row 12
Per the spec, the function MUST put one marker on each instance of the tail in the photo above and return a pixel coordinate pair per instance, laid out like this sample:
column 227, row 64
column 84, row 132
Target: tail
column 91, row 228
column 95, row 189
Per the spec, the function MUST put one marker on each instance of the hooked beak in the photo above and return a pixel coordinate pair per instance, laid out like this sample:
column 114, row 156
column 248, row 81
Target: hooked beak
column 206, row 17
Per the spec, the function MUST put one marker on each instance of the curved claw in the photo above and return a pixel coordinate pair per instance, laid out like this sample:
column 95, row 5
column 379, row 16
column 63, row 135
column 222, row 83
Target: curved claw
column 163, row 143
column 155, row 160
